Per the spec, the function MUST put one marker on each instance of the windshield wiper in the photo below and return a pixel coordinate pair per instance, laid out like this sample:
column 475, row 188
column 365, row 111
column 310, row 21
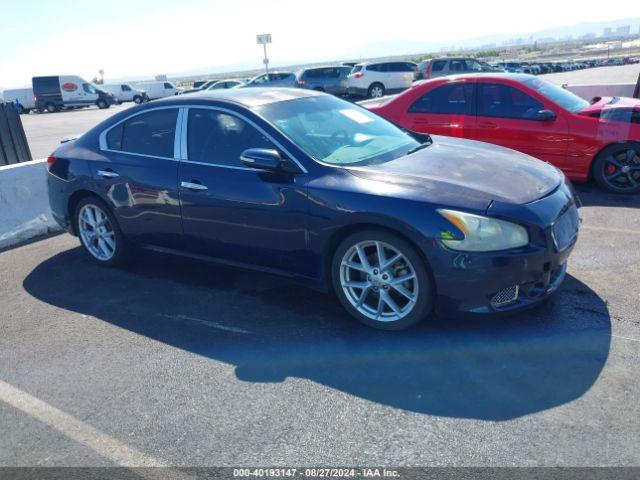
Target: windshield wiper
column 419, row 147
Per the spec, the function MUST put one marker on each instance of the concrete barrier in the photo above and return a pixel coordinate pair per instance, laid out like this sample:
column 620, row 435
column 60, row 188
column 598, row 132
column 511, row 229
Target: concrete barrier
column 24, row 203
column 611, row 90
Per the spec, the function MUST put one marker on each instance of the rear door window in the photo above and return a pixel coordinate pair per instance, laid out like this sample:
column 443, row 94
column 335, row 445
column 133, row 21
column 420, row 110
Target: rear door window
column 504, row 101
column 438, row 65
column 452, row 99
column 151, row 133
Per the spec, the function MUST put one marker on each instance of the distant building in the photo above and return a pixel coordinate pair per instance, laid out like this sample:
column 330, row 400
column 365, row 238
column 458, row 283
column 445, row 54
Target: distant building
column 161, row 78
column 623, row 31
column 607, row 32
column 589, row 36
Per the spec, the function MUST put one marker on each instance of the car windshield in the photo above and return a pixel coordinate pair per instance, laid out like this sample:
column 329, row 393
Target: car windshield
column 338, row 132
column 559, row 95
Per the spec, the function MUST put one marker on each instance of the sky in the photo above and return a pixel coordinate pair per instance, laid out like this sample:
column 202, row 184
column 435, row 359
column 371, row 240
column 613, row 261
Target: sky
column 142, row 38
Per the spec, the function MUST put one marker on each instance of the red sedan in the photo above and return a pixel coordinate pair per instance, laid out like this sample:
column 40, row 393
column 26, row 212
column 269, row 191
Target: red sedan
column 523, row 112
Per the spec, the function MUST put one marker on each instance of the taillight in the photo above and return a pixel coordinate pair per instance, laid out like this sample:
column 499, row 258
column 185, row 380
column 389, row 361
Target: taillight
column 302, row 82
column 50, row 161
column 358, row 75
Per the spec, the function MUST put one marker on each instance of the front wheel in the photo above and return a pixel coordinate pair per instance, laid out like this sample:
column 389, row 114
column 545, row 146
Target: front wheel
column 382, row 280
column 99, row 232
column 137, row 99
column 617, row 168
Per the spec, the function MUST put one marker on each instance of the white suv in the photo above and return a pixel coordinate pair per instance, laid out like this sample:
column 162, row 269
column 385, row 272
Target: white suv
column 373, row 80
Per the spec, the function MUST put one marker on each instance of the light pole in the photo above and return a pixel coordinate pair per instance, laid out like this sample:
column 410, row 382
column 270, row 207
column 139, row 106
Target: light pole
column 263, row 39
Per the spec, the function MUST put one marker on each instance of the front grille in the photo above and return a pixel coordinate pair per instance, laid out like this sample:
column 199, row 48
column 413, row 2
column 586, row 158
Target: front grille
column 505, row 296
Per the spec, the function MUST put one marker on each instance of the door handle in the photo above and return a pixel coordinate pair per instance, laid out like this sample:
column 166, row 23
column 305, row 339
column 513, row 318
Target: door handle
column 488, row 125
column 107, row 173
column 193, row 186
column 420, row 121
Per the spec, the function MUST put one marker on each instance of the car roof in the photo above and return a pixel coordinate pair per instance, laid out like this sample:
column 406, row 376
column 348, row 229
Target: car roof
column 247, row 97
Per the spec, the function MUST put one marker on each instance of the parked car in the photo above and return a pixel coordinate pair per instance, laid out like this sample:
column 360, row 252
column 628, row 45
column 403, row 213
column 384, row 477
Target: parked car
column 198, row 87
column 159, row 89
column 226, row 84
column 374, row 80
column 439, row 67
column 324, row 79
column 310, row 186
column 533, row 116
column 55, row 93
column 273, row 79
column 124, row 92
column 22, row 97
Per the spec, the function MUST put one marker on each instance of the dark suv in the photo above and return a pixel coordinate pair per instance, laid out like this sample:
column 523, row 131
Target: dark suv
column 324, row 79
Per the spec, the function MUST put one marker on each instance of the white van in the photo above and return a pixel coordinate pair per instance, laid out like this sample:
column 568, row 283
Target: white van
column 159, row 89
column 22, row 97
column 124, row 92
column 60, row 92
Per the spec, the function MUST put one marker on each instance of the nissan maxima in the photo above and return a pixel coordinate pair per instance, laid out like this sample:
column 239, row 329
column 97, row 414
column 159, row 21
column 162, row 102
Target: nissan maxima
column 303, row 184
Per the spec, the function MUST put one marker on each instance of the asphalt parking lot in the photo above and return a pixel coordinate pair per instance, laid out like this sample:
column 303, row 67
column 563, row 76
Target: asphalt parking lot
column 171, row 362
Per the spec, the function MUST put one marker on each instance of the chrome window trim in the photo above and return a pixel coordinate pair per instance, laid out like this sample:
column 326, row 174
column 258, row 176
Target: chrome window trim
column 184, row 129
column 102, row 139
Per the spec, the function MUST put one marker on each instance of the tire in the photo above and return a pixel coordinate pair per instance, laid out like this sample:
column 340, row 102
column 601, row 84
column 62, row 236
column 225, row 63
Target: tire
column 318, row 89
column 50, row 108
column 383, row 284
column 102, row 104
column 27, row 111
column 616, row 169
column 376, row 90
column 21, row 110
column 137, row 99
column 101, row 250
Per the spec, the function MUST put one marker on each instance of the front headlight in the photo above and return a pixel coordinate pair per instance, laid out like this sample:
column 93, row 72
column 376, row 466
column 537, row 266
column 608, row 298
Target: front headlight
column 482, row 234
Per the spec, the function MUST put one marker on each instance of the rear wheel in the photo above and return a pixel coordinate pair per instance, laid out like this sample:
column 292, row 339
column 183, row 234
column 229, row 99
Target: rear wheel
column 376, row 90
column 50, row 107
column 382, row 280
column 617, row 168
column 99, row 232
column 102, row 104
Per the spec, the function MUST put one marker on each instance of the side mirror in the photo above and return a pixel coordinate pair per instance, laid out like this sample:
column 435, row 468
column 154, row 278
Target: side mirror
column 262, row 158
column 546, row 116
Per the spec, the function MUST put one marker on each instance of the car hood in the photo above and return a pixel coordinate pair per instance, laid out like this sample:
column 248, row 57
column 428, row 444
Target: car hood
column 467, row 173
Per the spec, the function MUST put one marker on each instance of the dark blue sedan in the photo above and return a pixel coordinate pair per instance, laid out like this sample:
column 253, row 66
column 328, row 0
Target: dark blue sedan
column 303, row 184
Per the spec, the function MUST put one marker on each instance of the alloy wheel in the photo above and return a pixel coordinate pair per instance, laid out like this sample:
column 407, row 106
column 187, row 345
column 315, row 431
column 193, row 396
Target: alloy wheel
column 622, row 169
column 376, row 92
column 379, row 281
column 96, row 232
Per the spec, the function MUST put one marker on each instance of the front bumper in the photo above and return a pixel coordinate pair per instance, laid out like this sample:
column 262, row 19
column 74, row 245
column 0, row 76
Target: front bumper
column 508, row 281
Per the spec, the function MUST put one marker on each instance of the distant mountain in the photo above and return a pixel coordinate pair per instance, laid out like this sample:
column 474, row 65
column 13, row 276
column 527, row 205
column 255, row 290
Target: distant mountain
column 396, row 46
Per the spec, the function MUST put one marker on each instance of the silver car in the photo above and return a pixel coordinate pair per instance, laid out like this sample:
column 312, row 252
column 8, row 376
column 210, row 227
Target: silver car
column 273, row 79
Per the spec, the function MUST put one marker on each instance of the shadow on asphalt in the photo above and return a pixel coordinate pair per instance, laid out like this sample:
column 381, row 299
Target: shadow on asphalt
column 592, row 196
column 270, row 329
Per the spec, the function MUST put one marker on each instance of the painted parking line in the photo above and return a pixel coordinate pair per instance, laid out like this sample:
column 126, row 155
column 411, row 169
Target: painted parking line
column 101, row 443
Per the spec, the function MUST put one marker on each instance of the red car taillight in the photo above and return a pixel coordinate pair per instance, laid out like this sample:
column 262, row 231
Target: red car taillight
column 50, row 161
column 301, row 82
column 427, row 72
column 358, row 75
